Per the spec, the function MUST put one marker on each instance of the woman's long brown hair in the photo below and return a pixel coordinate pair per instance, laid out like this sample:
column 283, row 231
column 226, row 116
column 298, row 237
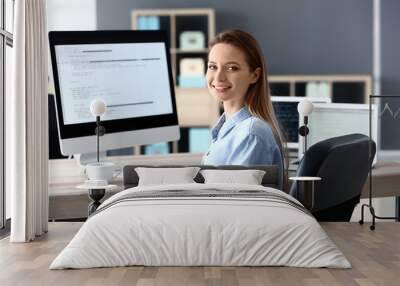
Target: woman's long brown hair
column 258, row 98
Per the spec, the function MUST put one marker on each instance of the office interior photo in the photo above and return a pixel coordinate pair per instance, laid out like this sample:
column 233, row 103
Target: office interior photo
column 199, row 142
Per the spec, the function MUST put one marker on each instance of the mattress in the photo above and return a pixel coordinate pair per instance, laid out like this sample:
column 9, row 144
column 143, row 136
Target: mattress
column 201, row 225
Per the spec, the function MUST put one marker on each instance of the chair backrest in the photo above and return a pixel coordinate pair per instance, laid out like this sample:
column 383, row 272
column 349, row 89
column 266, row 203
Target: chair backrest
column 343, row 164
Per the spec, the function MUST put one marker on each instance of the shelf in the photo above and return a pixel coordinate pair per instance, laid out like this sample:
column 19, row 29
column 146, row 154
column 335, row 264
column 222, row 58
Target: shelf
column 173, row 12
column 334, row 77
column 195, row 106
column 340, row 88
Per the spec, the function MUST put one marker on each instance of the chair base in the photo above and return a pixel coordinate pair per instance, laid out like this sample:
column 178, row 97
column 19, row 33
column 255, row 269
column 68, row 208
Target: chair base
column 342, row 212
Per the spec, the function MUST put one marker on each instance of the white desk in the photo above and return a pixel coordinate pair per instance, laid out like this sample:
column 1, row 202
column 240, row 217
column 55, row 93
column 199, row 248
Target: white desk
column 68, row 202
column 385, row 180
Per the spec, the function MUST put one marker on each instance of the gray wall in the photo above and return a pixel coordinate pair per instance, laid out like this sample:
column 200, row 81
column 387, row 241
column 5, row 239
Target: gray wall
column 299, row 36
column 390, row 84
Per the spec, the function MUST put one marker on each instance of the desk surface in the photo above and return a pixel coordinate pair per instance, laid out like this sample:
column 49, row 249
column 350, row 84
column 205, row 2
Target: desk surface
column 65, row 175
column 385, row 180
column 68, row 202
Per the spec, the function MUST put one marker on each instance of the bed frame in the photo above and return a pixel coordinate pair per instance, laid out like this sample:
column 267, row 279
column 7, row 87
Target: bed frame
column 270, row 179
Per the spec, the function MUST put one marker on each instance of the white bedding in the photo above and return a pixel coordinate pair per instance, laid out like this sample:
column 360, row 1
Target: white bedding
column 200, row 231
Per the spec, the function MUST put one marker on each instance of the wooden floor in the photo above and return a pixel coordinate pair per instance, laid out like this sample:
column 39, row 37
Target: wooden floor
column 374, row 255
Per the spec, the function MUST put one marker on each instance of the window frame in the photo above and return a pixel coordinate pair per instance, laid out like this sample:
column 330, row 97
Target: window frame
column 6, row 39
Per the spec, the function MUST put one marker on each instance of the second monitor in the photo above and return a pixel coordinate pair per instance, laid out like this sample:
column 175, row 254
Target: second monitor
column 285, row 108
column 337, row 119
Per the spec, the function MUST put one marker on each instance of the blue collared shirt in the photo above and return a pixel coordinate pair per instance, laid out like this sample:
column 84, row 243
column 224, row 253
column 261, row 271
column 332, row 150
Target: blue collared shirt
column 243, row 139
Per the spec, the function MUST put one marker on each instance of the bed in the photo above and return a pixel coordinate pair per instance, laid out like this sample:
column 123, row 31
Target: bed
column 201, row 224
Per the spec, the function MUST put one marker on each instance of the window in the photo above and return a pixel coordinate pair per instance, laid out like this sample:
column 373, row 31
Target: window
column 6, row 43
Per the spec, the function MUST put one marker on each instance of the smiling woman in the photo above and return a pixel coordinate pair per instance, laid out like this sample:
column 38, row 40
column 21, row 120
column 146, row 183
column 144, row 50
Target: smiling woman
column 247, row 133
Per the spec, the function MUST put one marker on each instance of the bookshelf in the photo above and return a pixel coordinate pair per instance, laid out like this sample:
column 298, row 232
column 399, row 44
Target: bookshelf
column 195, row 106
column 189, row 31
column 340, row 88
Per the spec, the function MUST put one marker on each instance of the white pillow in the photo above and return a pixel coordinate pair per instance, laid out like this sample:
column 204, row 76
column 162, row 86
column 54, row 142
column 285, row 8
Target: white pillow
column 163, row 176
column 248, row 177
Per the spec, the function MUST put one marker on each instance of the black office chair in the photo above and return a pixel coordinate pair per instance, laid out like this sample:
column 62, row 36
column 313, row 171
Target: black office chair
column 343, row 164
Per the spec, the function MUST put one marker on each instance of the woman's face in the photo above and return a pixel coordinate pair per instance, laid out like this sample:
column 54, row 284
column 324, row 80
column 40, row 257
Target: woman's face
column 228, row 74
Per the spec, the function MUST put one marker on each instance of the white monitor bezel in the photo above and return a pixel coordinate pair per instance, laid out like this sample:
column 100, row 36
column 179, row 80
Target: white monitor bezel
column 344, row 106
column 81, row 138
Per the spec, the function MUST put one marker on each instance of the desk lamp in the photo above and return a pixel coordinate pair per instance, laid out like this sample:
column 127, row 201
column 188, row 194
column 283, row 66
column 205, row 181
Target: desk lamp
column 98, row 108
column 305, row 108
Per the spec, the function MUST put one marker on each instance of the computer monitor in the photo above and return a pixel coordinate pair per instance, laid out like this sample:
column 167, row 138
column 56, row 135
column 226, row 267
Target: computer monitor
column 130, row 71
column 336, row 119
column 285, row 108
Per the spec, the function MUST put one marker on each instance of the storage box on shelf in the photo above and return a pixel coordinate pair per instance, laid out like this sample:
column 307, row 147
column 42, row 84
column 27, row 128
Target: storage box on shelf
column 189, row 31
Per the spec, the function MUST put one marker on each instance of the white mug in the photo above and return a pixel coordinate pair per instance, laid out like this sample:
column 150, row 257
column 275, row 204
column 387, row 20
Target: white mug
column 101, row 171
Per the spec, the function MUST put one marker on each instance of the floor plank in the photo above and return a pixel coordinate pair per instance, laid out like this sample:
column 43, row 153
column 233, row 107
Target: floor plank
column 374, row 255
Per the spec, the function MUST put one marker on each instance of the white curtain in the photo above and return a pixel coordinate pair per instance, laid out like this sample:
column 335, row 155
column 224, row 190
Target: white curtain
column 28, row 123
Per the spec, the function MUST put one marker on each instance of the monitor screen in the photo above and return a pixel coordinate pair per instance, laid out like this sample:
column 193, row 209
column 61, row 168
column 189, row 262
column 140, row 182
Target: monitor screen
column 288, row 118
column 130, row 71
column 120, row 74
column 285, row 109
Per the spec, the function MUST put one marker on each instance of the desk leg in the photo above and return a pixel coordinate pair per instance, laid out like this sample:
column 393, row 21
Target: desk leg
column 305, row 193
column 96, row 195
